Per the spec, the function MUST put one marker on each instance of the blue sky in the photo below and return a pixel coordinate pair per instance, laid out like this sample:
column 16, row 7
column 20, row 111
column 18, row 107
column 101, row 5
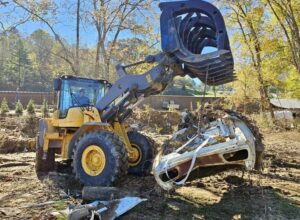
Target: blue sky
column 64, row 26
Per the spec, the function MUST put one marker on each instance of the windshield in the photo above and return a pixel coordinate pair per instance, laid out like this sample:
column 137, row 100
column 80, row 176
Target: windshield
column 79, row 93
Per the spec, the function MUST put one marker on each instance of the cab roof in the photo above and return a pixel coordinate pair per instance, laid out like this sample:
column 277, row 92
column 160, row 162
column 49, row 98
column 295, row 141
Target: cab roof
column 71, row 77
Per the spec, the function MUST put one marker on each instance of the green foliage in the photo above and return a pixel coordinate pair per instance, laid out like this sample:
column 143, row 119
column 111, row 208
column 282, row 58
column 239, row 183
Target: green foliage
column 147, row 108
column 19, row 108
column 45, row 109
column 171, row 108
column 292, row 85
column 4, row 106
column 262, row 55
column 198, row 106
column 18, row 64
column 132, row 50
column 184, row 82
column 24, row 64
column 30, row 107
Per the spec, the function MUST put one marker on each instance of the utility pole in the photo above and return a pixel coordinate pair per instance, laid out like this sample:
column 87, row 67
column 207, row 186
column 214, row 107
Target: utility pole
column 19, row 52
column 77, row 36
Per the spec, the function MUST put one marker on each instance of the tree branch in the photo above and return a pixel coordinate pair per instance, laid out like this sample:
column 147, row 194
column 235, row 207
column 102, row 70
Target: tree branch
column 57, row 37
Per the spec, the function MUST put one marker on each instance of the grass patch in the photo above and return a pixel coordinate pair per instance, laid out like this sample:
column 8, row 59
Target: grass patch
column 60, row 205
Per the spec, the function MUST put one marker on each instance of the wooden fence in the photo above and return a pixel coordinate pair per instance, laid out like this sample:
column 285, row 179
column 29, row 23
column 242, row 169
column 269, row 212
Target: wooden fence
column 155, row 102
column 13, row 96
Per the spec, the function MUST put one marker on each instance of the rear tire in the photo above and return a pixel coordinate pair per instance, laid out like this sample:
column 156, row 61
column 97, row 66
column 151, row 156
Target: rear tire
column 259, row 160
column 113, row 156
column 44, row 166
column 145, row 145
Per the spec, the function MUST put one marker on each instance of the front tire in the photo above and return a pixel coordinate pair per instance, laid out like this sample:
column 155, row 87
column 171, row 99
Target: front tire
column 146, row 154
column 100, row 159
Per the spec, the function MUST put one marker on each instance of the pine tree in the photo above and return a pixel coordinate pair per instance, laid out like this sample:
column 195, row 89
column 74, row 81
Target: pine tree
column 30, row 107
column 44, row 108
column 4, row 106
column 19, row 108
column 18, row 65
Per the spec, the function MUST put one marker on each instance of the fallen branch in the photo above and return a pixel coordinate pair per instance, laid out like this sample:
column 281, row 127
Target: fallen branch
column 92, row 193
column 15, row 177
column 36, row 205
column 16, row 164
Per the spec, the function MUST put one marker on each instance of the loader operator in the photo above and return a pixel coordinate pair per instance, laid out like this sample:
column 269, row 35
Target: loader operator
column 82, row 99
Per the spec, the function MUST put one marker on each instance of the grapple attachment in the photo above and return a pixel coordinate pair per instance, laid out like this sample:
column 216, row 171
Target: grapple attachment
column 194, row 32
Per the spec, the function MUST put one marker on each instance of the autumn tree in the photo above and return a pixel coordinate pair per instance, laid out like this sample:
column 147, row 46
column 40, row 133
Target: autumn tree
column 287, row 14
column 44, row 11
column 7, row 25
column 41, row 47
column 133, row 50
column 111, row 18
column 248, row 19
column 292, row 85
column 245, row 87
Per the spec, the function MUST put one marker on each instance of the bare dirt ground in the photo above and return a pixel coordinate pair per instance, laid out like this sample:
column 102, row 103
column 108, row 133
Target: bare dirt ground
column 232, row 194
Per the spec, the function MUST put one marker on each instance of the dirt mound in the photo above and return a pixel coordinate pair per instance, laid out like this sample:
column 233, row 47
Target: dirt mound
column 12, row 144
column 30, row 126
column 161, row 122
column 26, row 125
column 17, row 134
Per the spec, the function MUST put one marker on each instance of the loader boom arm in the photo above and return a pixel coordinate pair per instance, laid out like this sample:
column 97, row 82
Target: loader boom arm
column 129, row 89
column 194, row 42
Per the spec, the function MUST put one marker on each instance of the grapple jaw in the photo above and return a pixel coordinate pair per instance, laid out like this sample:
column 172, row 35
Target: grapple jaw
column 195, row 33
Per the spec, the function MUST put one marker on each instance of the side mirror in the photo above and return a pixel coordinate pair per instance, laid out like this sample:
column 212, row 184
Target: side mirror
column 57, row 84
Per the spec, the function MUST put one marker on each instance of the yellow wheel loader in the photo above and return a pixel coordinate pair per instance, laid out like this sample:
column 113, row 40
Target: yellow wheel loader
column 89, row 126
column 101, row 152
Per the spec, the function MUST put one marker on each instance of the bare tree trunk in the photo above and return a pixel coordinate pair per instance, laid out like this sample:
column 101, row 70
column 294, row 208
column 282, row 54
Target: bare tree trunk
column 77, row 36
column 97, row 57
column 245, row 92
column 106, row 69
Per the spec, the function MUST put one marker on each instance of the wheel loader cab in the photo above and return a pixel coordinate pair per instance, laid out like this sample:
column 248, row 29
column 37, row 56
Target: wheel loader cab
column 76, row 92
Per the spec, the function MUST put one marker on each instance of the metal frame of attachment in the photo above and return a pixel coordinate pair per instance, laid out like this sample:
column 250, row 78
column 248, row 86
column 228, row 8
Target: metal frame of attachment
column 237, row 147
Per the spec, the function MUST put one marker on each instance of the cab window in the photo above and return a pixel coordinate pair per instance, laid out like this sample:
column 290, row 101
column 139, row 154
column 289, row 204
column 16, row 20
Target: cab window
column 79, row 93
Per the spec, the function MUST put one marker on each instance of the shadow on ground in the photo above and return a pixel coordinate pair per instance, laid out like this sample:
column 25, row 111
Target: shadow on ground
column 241, row 201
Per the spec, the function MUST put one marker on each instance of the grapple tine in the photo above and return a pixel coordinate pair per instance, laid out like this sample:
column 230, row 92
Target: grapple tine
column 184, row 27
column 194, row 32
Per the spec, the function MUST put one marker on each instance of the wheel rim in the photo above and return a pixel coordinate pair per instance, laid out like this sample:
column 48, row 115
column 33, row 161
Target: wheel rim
column 135, row 156
column 93, row 160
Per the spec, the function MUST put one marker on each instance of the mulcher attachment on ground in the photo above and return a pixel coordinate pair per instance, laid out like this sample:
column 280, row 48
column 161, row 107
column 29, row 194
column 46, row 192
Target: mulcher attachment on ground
column 229, row 139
